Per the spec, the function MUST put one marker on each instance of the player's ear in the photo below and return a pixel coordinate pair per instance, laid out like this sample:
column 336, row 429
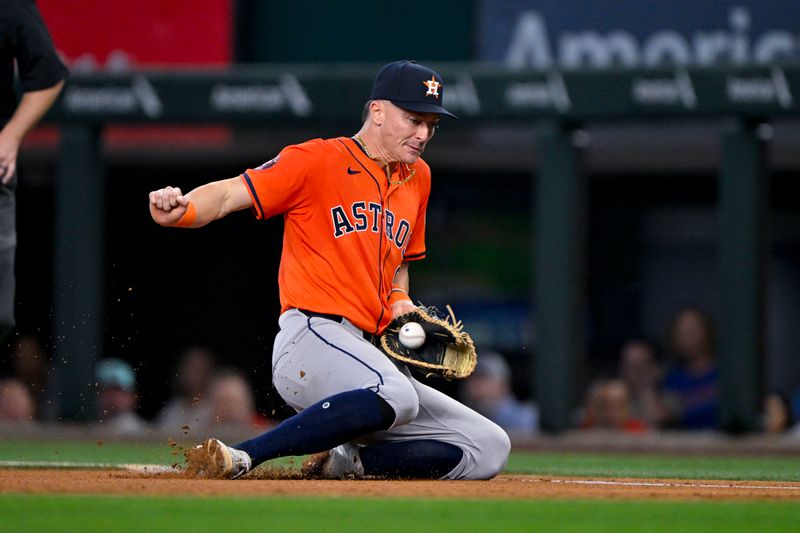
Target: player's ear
column 378, row 111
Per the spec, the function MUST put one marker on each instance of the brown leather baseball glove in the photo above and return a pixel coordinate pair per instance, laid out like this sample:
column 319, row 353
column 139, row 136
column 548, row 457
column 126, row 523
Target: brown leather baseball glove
column 448, row 351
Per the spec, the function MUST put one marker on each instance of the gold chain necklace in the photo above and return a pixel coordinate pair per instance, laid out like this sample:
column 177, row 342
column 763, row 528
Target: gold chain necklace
column 410, row 171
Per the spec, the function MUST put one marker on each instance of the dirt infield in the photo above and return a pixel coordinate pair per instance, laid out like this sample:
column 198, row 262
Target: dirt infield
column 44, row 481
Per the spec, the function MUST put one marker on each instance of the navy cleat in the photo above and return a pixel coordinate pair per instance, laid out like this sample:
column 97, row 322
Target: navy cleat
column 342, row 462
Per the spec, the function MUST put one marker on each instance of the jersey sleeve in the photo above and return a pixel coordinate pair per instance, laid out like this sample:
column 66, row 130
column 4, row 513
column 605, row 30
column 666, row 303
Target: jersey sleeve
column 38, row 63
column 280, row 184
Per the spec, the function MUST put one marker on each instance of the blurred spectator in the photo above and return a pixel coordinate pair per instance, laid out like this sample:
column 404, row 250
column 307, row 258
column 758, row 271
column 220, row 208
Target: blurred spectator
column 777, row 415
column 608, row 406
column 794, row 404
column 691, row 396
column 232, row 403
column 189, row 405
column 642, row 374
column 117, row 401
column 16, row 402
column 31, row 365
column 488, row 391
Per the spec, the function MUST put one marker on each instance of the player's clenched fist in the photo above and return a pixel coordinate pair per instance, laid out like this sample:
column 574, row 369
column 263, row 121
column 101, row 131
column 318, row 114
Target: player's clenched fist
column 168, row 206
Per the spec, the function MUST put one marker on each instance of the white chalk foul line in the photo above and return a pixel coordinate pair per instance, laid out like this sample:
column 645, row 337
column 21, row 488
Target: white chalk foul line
column 67, row 465
column 668, row 484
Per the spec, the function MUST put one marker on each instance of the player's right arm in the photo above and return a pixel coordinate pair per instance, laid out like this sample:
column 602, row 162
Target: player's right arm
column 209, row 202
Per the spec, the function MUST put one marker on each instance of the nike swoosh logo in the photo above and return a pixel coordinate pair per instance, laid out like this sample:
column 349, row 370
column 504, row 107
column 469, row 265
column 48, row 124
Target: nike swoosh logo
column 351, row 171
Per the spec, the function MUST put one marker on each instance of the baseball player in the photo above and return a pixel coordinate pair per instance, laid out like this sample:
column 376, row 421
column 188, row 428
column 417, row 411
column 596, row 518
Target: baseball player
column 354, row 212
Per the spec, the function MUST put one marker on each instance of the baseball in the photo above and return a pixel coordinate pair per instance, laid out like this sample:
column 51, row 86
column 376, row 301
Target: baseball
column 412, row 335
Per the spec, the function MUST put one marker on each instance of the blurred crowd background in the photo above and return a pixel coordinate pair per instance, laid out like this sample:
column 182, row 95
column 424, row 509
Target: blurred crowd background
column 190, row 316
column 655, row 384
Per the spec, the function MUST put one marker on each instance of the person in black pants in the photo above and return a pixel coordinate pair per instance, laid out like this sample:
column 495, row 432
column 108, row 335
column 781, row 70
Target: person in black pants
column 24, row 39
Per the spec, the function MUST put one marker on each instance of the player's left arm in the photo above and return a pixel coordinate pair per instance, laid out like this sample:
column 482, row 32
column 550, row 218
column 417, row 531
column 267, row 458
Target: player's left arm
column 399, row 299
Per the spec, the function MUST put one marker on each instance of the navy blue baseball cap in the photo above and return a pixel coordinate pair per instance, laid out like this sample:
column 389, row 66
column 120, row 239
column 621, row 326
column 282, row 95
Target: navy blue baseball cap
column 410, row 86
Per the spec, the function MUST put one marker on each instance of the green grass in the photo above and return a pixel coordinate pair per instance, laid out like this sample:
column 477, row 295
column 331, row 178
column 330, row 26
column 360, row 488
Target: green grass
column 656, row 466
column 105, row 453
column 543, row 464
column 124, row 514
column 64, row 513
column 88, row 452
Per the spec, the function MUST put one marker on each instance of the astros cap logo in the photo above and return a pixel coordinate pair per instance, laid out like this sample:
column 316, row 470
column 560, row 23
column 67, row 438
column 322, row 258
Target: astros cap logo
column 433, row 87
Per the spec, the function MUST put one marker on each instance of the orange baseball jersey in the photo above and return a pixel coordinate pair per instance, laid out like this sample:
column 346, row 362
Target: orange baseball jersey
column 347, row 228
